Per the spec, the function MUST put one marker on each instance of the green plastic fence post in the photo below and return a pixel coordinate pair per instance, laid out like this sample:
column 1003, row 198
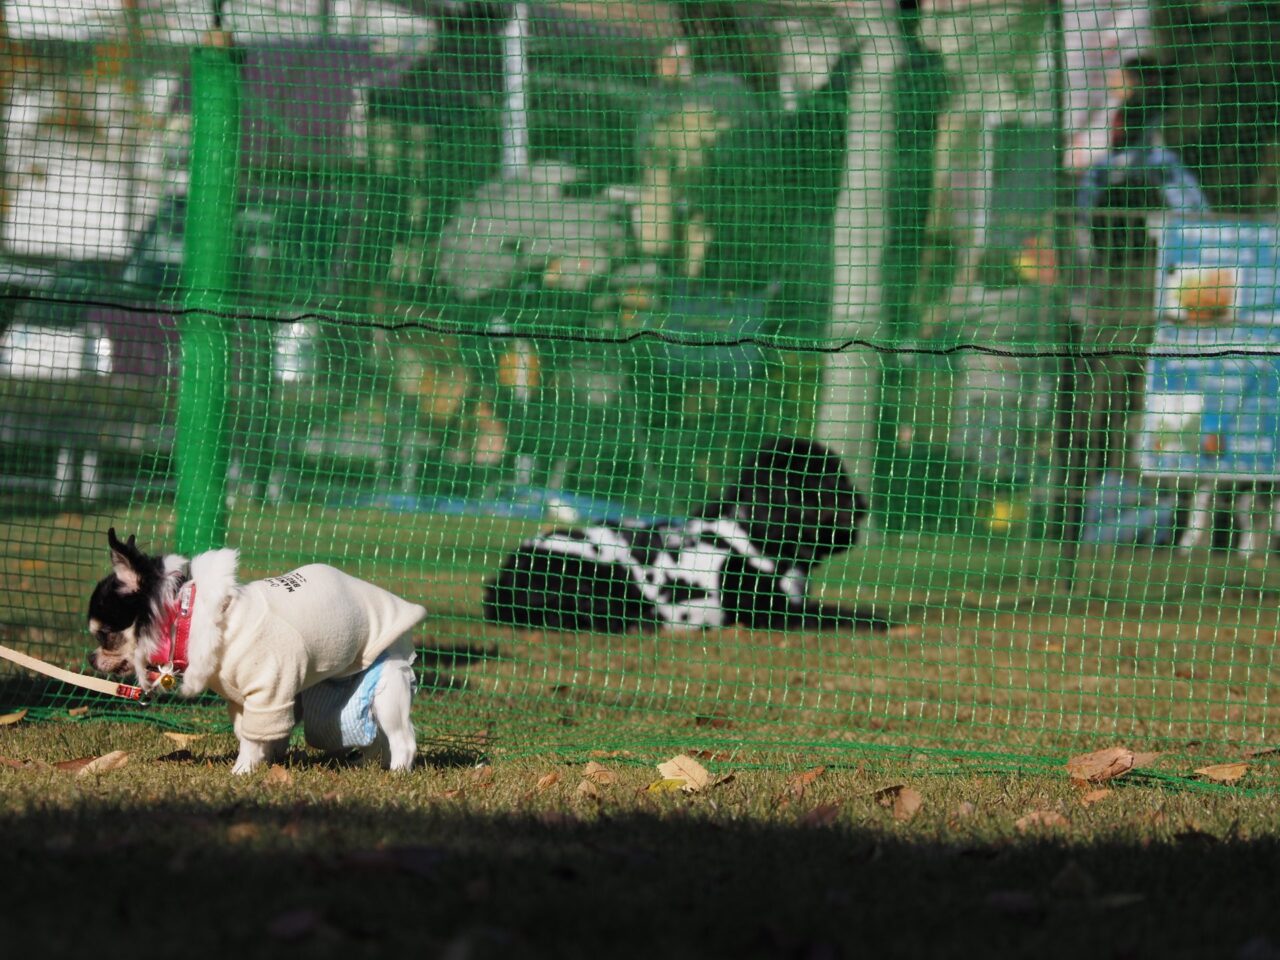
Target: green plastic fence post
column 203, row 446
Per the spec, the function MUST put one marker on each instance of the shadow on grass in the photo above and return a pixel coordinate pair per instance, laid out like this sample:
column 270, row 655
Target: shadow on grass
column 309, row 879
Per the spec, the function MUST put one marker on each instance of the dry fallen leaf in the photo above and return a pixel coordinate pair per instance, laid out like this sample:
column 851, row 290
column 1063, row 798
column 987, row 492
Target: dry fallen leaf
column 886, row 795
column 1101, row 765
column 1224, row 772
column 1041, row 819
column 587, row 791
column 796, row 784
column 78, row 712
column 243, row 831
column 1262, row 752
column 822, row 815
column 11, row 718
column 1073, row 882
column 906, row 805
column 901, row 799
column 689, row 770
column 548, row 780
column 108, row 761
column 963, row 811
column 715, row 721
column 1094, row 796
column 73, row 766
column 277, row 776
column 183, row 739
column 599, row 773
column 420, row 860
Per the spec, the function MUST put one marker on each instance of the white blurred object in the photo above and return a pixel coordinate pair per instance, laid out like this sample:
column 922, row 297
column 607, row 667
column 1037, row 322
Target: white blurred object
column 32, row 352
column 809, row 50
column 560, row 512
column 294, row 351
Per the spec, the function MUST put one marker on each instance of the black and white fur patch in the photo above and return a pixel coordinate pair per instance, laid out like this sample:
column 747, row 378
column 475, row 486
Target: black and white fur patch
column 745, row 560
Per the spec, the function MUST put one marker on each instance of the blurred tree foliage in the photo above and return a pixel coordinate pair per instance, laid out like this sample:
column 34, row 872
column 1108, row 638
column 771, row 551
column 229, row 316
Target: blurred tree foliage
column 1221, row 92
column 731, row 38
column 770, row 193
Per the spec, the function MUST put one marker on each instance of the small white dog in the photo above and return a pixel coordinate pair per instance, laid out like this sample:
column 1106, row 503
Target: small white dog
column 315, row 642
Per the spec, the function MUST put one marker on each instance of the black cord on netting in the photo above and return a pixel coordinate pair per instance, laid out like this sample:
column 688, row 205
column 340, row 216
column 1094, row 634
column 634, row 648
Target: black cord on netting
column 767, row 341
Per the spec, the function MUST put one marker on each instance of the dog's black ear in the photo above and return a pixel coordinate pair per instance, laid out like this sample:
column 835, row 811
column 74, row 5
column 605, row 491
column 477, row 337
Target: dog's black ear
column 783, row 464
column 115, row 543
column 127, row 562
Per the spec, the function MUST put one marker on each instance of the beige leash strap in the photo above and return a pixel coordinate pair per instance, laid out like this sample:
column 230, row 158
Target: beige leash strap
column 124, row 690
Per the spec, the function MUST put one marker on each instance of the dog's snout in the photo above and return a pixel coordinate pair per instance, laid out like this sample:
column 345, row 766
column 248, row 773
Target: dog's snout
column 109, row 663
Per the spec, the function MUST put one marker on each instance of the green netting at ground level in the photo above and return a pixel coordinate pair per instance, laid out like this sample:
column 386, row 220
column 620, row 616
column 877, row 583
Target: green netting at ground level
column 504, row 307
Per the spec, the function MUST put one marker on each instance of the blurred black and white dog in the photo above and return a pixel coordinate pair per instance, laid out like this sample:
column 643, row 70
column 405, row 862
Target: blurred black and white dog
column 745, row 559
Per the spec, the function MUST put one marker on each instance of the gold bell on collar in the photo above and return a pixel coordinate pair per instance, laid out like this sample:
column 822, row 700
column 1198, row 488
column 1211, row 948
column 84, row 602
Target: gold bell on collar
column 167, row 679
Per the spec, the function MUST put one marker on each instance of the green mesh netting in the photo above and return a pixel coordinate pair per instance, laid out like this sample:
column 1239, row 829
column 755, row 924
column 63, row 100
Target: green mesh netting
column 403, row 286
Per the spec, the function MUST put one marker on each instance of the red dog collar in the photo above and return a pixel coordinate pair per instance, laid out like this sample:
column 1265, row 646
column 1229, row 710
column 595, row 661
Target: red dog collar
column 170, row 656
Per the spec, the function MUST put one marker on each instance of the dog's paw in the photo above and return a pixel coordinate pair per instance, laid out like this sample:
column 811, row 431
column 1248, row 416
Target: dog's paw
column 253, row 755
column 394, row 757
column 401, row 762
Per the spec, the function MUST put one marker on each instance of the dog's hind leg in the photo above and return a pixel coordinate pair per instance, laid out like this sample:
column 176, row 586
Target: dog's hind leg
column 395, row 745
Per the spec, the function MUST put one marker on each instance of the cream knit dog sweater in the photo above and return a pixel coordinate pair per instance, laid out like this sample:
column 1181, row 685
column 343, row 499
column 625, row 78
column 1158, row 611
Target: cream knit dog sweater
column 259, row 644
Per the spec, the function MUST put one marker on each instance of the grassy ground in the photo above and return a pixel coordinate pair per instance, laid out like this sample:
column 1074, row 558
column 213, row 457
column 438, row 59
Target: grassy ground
column 942, row 822
column 1160, row 651
column 535, row 857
